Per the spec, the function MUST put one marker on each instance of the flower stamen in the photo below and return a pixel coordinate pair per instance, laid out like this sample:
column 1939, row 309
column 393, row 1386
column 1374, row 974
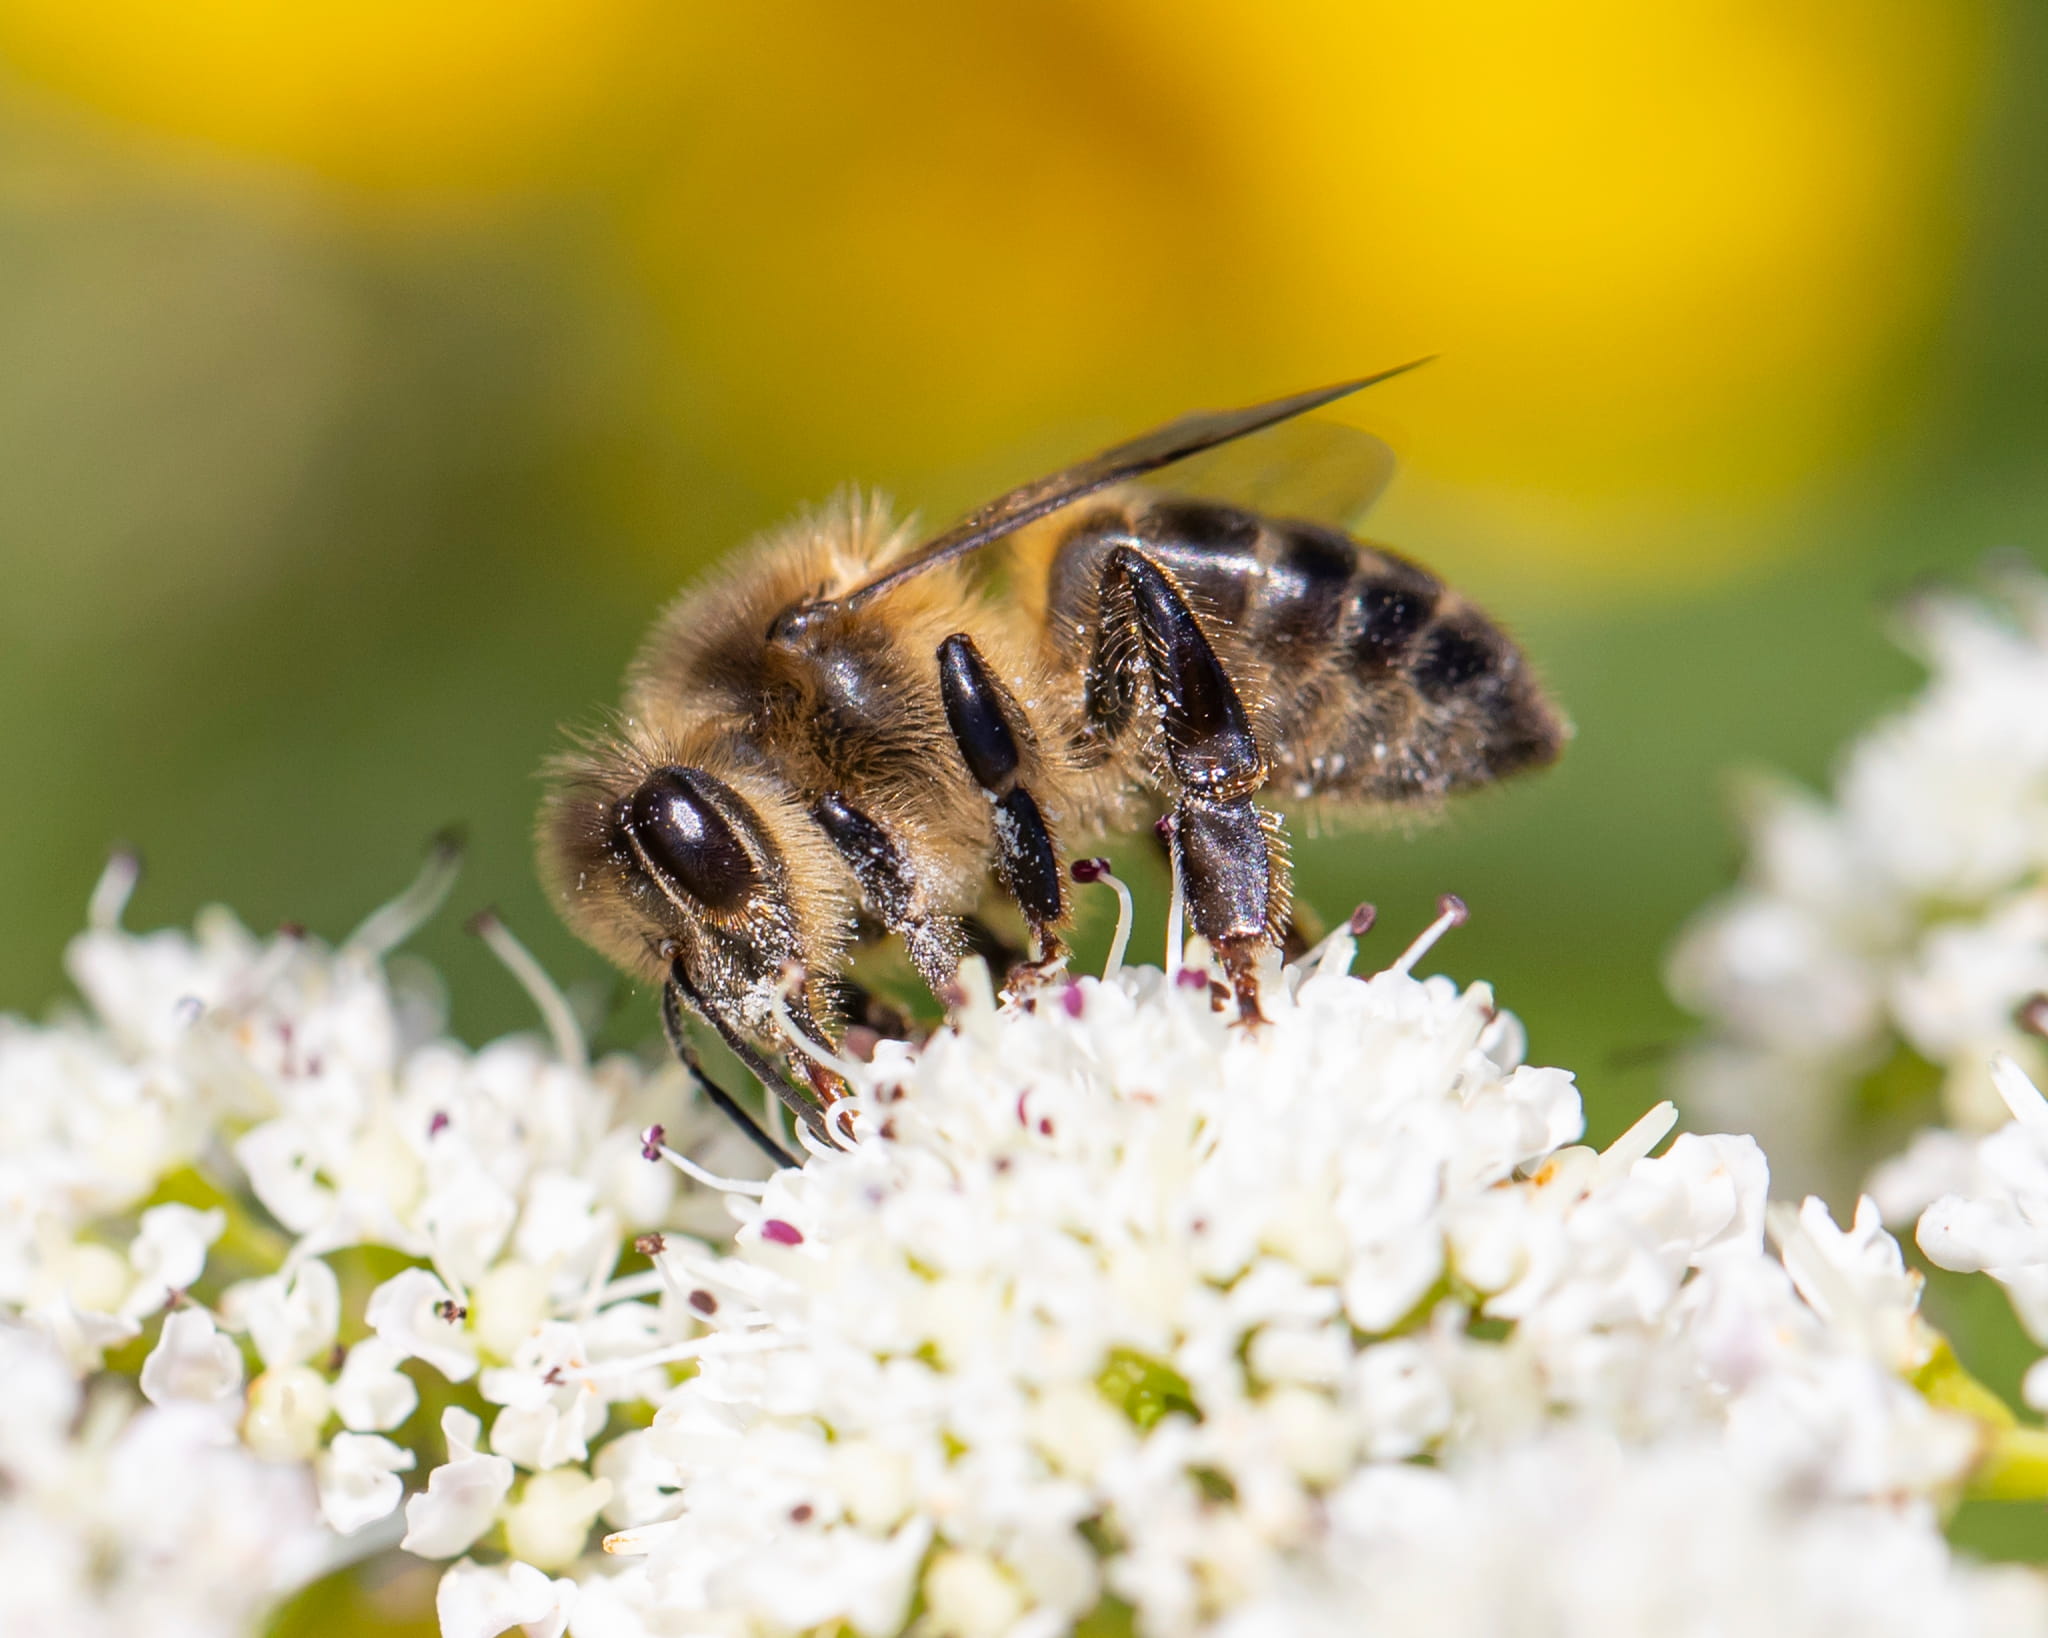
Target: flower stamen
column 1450, row 912
column 391, row 924
column 1097, row 870
column 546, row 995
column 111, row 893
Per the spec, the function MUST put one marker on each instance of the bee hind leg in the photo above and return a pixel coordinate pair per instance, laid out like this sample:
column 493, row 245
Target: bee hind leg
column 1227, row 852
column 982, row 716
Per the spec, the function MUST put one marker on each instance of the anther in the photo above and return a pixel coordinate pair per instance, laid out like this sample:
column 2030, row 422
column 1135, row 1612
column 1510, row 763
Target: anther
column 2032, row 1014
column 650, row 1245
column 1450, row 912
column 546, row 995
column 1097, row 870
column 1356, row 926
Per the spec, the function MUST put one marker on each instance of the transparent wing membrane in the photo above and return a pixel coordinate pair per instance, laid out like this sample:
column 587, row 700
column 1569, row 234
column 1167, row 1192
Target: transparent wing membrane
column 1164, row 446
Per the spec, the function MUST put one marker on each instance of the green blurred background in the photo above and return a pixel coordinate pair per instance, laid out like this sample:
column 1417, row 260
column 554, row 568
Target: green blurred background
column 369, row 372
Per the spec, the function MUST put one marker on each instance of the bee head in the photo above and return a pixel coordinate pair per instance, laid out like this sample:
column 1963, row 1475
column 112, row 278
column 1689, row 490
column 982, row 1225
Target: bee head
column 678, row 875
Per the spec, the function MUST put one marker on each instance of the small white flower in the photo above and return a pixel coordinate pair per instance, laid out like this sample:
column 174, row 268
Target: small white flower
column 1997, row 1222
column 191, row 1361
column 970, row 1595
column 463, row 1494
column 372, row 1395
column 290, row 1318
column 359, row 1481
column 169, row 1253
column 415, row 1314
column 1857, row 1279
column 479, row 1601
column 288, row 1408
column 549, row 1525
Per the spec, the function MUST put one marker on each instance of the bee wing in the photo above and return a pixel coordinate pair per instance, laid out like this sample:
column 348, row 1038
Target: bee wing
column 1176, row 441
column 1321, row 471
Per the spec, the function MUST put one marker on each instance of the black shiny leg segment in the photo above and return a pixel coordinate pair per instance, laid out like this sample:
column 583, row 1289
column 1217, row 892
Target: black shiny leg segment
column 1209, row 743
column 693, row 1066
column 982, row 715
column 889, row 884
column 1231, row 875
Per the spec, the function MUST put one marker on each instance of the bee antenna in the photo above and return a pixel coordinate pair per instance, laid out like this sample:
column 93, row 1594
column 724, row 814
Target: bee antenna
column 693, row 1066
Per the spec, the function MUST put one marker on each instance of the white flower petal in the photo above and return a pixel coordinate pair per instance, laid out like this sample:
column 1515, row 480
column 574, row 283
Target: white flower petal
column 478, row 1601
column 191, row 1361
column 417, row 1315
column 359, row 1481
column 169, row 1253
column 461, row 1500
column 372, row 1395
column 290, row 1318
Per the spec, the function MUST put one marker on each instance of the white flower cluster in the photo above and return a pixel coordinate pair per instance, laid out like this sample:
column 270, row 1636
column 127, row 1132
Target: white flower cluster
column 1119, row 1315
column 1989, row 1210
column 1574, row 1534
column 180, row 1167
column 1113, row 1315
column 1886, row 943
column 116, row 1520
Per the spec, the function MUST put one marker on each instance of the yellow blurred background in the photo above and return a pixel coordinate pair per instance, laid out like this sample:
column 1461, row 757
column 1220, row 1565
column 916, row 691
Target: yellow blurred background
column 372, row 371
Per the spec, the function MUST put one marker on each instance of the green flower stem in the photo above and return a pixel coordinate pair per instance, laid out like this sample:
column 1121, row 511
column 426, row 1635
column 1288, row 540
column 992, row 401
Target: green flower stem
column 2013, row 1465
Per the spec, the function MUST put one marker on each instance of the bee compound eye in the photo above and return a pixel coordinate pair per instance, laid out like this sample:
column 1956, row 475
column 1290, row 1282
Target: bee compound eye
column 677, row 824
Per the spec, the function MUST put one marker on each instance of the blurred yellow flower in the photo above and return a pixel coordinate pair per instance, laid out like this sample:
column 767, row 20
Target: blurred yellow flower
column 1673, row 255
column 1677, row 256
column 442, row 96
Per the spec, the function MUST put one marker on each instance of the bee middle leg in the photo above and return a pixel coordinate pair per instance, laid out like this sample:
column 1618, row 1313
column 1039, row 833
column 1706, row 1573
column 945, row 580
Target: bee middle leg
column 1227, row 852
column 982, row 716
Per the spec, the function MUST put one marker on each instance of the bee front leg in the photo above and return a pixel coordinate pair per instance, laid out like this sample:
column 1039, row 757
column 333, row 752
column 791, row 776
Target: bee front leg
column 982, row 716
column 1227, row 851
column 888, row 883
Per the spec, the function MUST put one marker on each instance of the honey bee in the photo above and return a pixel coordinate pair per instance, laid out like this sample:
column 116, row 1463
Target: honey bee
column 849, row 730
